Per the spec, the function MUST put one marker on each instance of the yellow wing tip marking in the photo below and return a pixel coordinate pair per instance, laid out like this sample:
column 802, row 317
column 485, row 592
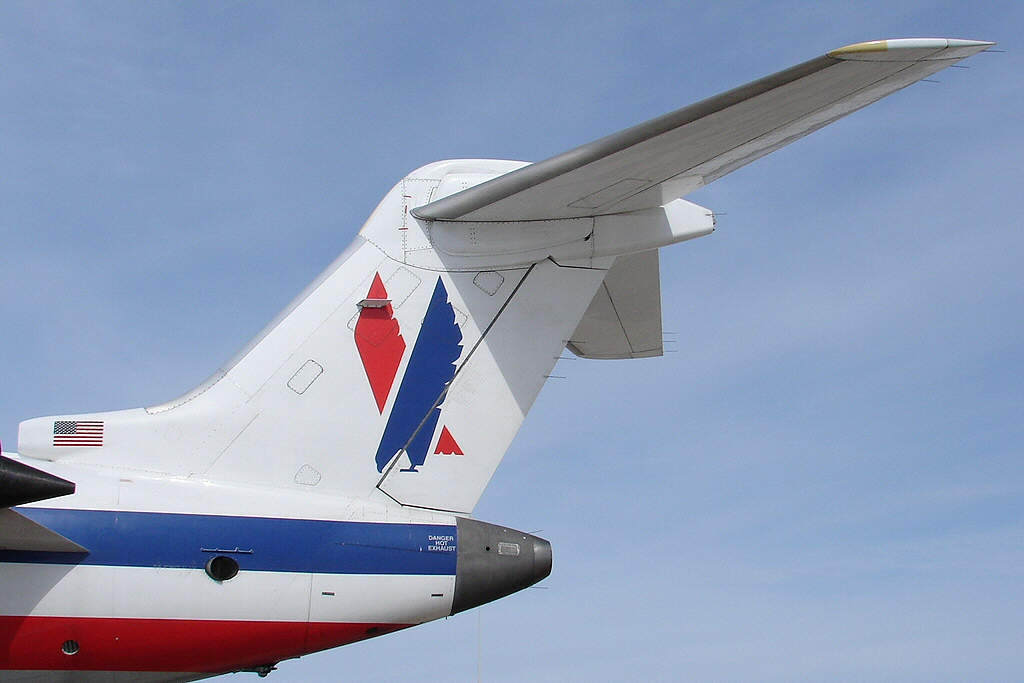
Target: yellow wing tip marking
column 913, row 49
column 857, row 48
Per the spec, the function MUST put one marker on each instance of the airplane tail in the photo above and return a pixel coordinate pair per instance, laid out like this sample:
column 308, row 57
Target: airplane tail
column 403, row 370
column 407, row 367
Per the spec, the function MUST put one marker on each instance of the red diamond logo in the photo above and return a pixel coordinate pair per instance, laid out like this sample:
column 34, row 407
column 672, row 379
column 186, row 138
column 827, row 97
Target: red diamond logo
column 380, row 343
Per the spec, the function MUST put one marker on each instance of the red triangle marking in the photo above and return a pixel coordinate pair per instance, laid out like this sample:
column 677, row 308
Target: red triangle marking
column 446, row 444
column 377, row 290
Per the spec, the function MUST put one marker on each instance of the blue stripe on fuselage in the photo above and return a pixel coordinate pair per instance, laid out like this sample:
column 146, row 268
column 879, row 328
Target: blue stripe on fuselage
column 149, row 539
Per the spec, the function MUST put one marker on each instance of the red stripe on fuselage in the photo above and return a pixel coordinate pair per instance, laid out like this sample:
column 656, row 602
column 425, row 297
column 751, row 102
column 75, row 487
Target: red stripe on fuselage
column 207, row 646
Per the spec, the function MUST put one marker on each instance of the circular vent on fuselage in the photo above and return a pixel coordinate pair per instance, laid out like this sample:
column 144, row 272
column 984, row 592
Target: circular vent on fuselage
column 221, row 568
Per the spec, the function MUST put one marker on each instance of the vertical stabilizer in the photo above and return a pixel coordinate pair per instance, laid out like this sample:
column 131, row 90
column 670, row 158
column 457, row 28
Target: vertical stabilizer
column 402, row 373
column 447, row 457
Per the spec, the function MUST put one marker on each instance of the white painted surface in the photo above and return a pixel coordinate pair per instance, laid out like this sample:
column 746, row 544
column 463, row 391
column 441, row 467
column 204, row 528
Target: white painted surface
column 172, row 593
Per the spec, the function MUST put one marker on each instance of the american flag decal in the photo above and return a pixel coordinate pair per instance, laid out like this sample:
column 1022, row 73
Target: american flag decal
column 78, row 433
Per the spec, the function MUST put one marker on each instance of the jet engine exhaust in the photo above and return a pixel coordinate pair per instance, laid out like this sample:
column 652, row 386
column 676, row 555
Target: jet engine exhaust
column 494, row 561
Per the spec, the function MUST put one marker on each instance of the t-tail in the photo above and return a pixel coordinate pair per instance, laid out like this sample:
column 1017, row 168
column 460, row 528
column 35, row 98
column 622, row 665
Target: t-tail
column 404, row 372
column 393, row 385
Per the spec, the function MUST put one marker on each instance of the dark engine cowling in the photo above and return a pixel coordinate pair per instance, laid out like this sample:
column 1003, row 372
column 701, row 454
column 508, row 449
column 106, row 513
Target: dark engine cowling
column 20, row 484
column 494, row 562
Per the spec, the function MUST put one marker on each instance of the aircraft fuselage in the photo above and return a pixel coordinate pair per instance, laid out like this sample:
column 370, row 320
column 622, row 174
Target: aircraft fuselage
column 165, row 588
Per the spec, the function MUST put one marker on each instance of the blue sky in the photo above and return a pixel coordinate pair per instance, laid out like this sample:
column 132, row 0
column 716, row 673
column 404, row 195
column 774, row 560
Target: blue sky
column 823, row 483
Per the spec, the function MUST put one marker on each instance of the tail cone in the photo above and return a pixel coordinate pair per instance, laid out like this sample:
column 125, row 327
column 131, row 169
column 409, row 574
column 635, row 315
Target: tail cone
column 494, row 562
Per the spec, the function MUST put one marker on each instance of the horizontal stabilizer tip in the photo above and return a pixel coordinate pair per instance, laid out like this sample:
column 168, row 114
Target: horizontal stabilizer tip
column 911, row 49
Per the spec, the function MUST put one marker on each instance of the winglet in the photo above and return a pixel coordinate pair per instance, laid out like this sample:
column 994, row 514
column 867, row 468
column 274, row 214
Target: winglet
column 911, row 49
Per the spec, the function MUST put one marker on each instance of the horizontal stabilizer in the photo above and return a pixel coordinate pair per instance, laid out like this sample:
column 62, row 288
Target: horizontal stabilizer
column 653, row 163
column 624, row 319
column 18, row 532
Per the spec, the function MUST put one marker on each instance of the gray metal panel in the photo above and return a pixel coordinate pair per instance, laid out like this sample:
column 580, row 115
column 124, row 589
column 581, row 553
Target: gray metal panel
column 704, row 140
column 101, row 677
column 624, row 319
column 494, row 561
column 18, row 532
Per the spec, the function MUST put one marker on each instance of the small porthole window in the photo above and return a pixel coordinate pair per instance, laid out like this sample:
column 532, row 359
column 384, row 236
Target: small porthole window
column 221, row 568
column 69, row 647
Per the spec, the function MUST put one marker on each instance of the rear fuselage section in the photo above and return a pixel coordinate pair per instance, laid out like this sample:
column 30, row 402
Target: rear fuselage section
column 147, row 596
